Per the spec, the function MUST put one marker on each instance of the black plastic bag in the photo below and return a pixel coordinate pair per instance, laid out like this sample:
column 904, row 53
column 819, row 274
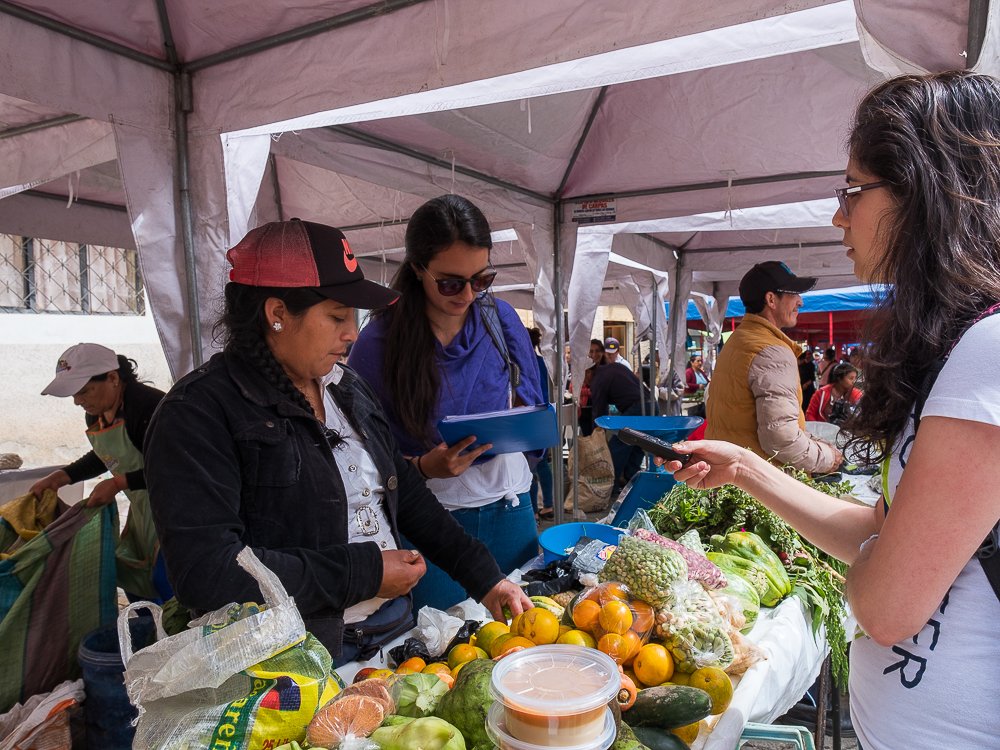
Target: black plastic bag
column 411, row 647
column 464, row 635
column 552, row 571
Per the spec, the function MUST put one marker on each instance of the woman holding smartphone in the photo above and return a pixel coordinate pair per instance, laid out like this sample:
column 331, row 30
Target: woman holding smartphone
column 440, row 352
column 920, row 212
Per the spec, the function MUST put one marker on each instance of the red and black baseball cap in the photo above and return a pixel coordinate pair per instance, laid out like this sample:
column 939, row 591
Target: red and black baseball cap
column 772, row 276
column 300, row 253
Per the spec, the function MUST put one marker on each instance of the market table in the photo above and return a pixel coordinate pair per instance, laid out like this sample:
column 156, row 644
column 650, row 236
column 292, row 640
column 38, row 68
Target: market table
column 766, row 691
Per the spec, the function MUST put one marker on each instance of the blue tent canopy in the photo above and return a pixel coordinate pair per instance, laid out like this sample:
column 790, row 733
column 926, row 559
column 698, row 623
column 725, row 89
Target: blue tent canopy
column 825, row 300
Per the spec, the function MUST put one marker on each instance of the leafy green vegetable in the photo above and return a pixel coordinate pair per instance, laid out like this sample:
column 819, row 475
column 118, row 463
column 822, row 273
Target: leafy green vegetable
column 816, row 577
column 417, row 695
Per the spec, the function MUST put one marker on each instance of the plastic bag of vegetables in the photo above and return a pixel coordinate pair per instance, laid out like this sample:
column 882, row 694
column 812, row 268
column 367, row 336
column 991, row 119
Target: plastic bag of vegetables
column 692, row 629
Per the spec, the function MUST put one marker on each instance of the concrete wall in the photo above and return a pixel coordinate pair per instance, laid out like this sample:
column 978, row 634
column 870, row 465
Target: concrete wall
column 45, row 430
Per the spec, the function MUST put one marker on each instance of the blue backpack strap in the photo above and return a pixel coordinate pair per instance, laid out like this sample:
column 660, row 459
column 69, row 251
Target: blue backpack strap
column 491, row 319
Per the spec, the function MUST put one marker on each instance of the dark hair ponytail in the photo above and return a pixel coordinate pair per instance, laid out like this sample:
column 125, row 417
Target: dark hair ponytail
column 410, row 368
column 242, row 327
column 127, row 371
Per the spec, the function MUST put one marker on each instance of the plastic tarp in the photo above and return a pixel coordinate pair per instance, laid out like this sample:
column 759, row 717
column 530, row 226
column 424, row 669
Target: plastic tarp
column 828, row 300
column 697, row 94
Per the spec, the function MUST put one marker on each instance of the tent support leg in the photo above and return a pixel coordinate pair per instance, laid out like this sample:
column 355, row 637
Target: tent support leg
column 675, row 308
column 558, row 494
column 182, row 88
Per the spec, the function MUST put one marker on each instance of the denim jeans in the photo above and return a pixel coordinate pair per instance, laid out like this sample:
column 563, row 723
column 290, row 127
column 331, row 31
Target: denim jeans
column 508, row 531
column 542, row 477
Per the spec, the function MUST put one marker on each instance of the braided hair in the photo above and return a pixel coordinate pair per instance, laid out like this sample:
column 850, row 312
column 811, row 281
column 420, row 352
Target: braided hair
column 241, row 330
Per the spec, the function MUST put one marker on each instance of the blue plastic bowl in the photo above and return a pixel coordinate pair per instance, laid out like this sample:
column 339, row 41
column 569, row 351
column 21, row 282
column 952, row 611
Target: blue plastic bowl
column 556, row 539
column 668, row 429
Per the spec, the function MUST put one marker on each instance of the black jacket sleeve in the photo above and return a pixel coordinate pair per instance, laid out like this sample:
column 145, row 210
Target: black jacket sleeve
column 438, row 536
column 87, row 467
column 193, row 472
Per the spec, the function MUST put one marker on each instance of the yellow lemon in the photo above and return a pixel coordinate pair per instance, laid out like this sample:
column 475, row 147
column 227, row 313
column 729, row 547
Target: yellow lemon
column 462, row 653
column 577, row 638
column 437, row 667
column 717, row 684
column 489, row 631
column 689, row 733
column 679, row 678
column 539, row 626
column 480, row 654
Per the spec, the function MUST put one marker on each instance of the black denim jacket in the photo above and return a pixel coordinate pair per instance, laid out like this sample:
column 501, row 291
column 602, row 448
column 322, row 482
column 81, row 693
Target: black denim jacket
column 232, row 462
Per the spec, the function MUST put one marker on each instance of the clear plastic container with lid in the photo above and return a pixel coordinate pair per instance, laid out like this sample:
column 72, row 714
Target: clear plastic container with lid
column 496, row 730
column 555, row 696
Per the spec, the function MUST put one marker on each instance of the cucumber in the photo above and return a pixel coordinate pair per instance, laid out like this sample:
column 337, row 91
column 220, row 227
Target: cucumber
column 659, row 739
column 669, row 707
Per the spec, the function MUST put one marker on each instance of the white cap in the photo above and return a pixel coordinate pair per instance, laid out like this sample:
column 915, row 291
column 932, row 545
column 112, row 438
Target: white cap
column 77, row 365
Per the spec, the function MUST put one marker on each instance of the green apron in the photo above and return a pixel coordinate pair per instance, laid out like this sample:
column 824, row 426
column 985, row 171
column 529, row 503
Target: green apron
column 135, row 553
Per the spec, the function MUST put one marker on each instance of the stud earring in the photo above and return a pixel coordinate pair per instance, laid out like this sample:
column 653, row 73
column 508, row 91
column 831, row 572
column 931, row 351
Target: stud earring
column 276, row 326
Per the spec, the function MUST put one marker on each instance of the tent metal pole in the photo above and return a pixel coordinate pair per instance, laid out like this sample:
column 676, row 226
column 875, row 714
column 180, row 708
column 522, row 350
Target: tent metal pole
column 86, row 37
column 32, row 127
column 276, row 187
column 675, row 305
column 706, row 186
column 583, row 137
column 302, row 32
column 750, row 248
column 76, row 201
column 558, row 494
column 653, row 370
column 386, row 145
column 375, row 224
column 182, row 84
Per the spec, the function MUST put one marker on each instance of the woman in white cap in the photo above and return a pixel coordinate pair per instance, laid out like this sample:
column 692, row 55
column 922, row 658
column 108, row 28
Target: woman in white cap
column 118, row 409
column 275, row 445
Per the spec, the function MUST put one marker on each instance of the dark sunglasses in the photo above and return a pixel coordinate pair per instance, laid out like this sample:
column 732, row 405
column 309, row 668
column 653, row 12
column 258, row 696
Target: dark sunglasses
column 451, row 287
column 845, row 192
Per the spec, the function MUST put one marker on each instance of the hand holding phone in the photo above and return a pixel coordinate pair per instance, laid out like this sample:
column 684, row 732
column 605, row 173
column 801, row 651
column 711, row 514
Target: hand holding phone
column 652, row 445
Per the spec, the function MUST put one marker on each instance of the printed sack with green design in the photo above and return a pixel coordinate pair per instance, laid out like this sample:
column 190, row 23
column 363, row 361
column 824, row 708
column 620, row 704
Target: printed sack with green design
column 244, row 677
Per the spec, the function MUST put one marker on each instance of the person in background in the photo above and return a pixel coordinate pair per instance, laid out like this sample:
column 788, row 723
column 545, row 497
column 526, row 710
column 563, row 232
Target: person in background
column 695, row 376
column 919, row 212
column 807, row 377
column 614, row 384
column 597, row 354
column 817, row 357
column 841, row 388
column 824, row 367
column 669, row 393
column 542, row 475
column 756, row 399
column 438, row 353
column 612, row 351
column 118, row 409
column 274, row 445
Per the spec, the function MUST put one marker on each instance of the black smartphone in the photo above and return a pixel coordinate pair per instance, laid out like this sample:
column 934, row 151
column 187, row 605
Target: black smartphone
column 652, row 445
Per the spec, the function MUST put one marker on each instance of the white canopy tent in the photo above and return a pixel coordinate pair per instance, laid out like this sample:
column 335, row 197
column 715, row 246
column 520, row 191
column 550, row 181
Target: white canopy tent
column 176, row 128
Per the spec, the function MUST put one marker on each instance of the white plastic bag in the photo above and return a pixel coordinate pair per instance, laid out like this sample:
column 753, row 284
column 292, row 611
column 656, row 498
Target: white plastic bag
column 42, row 723
column 207, row 656
column 437, row 628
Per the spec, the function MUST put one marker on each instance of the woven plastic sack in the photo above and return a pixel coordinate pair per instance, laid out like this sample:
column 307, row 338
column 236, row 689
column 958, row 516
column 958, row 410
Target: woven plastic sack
column 244, row 676
column 597, row 474
column 42, row 723
column 57, row 583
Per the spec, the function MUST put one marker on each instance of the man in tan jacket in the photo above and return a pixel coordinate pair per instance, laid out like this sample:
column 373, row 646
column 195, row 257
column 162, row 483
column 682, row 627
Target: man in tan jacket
column 755, row 399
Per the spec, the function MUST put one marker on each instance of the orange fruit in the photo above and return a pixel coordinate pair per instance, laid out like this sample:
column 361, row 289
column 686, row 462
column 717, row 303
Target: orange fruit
column 615, row 617
column 516, row 641
column 653, row 665
column 447, row 679
column 405, row 670
column 539, row 626
column 639, row 684
column 363, row 674
column 497, row 642
column 642, row 614
column 577, row 638
column 586, row 615
column 380, row 674
column 689, row 733
column 456, row 670
column 488, row 632
column 612, row 591
column 515, row 621
column 717, row 684
column 460, row 654
column 480, row 654
column 614, row 646
column 438, row 667
column 679, row 678
column 415, row 663
column 634, row 643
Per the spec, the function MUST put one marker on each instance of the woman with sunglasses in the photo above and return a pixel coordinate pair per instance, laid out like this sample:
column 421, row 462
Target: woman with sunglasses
column 431, row 355
column 921, row 213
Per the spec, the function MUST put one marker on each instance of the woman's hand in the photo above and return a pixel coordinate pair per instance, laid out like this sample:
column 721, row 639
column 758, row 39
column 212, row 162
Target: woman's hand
column 401, row 569
column 53, row 481
column 105, row 492
column 509, row 593
column 713, row 463
column 444, row 462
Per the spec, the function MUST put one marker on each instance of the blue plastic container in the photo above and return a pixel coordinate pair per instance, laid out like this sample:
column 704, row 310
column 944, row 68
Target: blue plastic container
column 109, row 713
column 556, row 539
column 647, row 487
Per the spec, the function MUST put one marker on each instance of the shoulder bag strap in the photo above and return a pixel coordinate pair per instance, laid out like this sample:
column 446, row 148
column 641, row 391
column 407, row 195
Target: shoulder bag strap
column 491, row 319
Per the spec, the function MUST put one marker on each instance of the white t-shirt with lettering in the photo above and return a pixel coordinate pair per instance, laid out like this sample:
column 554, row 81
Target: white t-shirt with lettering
column 941, row 689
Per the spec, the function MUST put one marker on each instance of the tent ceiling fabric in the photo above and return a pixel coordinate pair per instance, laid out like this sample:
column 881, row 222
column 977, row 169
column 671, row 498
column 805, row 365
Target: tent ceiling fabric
column 730, row 106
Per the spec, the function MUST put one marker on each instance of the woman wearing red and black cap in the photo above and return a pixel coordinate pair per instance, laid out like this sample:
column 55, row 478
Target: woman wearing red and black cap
column 275, row 445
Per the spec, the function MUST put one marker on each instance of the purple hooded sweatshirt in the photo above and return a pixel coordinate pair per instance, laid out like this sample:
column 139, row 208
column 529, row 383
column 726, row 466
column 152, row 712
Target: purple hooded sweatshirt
column 473, row 376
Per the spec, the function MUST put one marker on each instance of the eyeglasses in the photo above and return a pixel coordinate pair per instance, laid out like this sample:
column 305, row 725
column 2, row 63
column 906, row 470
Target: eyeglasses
column 844, row 192
column 451, row 287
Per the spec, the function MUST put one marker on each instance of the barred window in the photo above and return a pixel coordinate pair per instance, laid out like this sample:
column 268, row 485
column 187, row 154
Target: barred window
column 66, row 277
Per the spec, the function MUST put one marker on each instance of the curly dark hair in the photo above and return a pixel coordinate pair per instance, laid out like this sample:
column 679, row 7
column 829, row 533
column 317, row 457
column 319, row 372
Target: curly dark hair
column 243, row 325
column 936, row 140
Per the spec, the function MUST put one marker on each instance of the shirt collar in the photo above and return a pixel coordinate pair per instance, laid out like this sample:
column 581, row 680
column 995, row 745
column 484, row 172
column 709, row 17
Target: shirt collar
column 333, row 376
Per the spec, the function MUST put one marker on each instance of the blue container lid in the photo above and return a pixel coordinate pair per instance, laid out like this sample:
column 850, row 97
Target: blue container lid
column 669, row 429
